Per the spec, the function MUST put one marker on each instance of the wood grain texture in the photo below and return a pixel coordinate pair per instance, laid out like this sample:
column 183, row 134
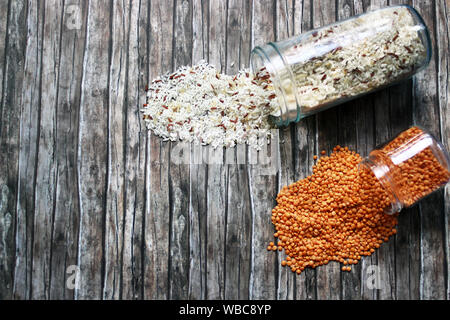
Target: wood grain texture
column 65, row 229
column 179, row 191
column 216, row 209
column 134, row 146
column 157, row 216
column 288, row 16
column 368, row 112
column 262, row 188
column 93, row 206
column 431, row 210
column 442, row 10
column 46, row 169
column 327, row 279
column 198, row 174
column 4, row 10
column 93, row 151
column 305, row 147
column 17, row 172
column 402, row 285
column 238, row 217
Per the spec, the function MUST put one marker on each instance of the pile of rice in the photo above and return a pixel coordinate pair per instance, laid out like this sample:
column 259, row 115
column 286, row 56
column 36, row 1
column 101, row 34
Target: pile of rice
column 198, row 104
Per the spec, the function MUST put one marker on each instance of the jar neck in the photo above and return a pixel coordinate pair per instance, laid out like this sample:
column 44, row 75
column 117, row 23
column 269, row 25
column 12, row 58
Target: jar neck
column 381, row 169
column 282, row 79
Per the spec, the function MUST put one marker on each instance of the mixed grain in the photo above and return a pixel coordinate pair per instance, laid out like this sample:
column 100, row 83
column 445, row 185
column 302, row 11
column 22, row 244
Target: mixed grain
column 200, row 105
column 355, row 57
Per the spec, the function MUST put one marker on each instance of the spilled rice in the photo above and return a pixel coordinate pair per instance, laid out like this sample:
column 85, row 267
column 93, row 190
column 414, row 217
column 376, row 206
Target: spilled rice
column 200, row 105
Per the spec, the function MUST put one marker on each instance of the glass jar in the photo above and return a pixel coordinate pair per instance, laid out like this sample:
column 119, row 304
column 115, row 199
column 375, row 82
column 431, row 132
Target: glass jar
column 409, row 167
column 336, row 63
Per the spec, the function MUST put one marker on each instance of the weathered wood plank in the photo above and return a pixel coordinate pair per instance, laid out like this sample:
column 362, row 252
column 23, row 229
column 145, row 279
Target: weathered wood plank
column 398, row 279
column 179, row 234
column 302, row 149
column 135, row 142
column 239, row 30
column 356, row 130
column 197, row 226
column 157, row 217
column 286, row 27
column 238, row 223
column 238, row 235
column 179, row 173
column 263, row 188
column 442, row 10
column 347, row 136
column 365, row 143
column 156, row 232
column 328, row 277
column 46, row 170
column 399, row 260
column 19, row 103
column 305, row 147
column 398, row 105
column 216, row 209
column 66, row 207
column 215, row 221
column 356, row 122
column 426, row 113
column 198, row 172
column 115, row 190
column 199, row 30
column 382, row 125
column 382, row 134
column 4, row 14
column 93, row 151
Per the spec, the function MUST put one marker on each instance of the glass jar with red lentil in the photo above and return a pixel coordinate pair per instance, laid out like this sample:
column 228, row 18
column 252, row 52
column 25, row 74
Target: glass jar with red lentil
column 409, row 167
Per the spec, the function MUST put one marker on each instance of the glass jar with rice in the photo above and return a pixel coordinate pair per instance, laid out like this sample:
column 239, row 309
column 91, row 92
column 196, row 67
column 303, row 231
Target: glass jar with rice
column 334, row 64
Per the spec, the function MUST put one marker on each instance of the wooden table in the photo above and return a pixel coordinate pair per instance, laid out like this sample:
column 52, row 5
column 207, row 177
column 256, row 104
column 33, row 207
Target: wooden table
column 87, row 193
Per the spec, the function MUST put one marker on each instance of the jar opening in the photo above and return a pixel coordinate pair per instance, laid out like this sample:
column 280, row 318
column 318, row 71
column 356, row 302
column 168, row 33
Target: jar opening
column 381, row 171
column 270, row 58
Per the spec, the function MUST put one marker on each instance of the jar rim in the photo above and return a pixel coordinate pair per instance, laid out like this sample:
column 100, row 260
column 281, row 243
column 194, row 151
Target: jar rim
column 276, row 57
column 383, row 171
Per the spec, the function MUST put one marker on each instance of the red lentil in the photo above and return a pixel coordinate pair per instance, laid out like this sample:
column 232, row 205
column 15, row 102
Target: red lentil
column 333, row 215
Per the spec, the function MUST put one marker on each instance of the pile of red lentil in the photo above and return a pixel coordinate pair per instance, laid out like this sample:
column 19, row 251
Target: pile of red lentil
column 336, row 214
